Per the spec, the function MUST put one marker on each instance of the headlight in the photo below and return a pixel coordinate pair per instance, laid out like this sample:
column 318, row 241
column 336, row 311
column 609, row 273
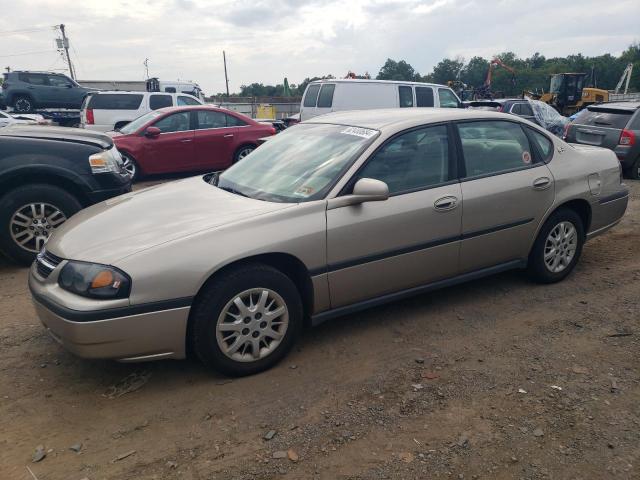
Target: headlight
column 94, row 280
column 106, row 161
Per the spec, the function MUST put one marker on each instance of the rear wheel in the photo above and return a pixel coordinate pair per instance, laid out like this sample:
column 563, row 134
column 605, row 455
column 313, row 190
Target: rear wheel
column 557, row 247
column 634, row 172
column 22, row 104
column 28, row 217
column 243, row 152
column 246, row 320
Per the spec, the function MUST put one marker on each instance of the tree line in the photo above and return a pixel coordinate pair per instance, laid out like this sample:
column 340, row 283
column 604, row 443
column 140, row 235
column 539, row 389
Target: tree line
column 532, row 73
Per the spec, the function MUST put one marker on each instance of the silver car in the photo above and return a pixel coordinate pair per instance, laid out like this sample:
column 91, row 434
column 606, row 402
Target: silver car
column 339, row 213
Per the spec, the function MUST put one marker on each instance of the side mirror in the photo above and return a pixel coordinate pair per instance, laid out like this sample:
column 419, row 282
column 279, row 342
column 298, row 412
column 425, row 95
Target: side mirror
column 152, row 132
column 365, row 190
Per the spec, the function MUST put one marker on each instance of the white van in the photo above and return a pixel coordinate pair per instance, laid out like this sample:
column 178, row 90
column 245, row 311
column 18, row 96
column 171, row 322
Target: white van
column 324, row 96
column 111, row 110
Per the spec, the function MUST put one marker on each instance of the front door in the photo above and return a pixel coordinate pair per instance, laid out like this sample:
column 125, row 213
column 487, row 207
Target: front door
column 410, row 239
column 507, row 189
column 172, row 150
column 214, row 140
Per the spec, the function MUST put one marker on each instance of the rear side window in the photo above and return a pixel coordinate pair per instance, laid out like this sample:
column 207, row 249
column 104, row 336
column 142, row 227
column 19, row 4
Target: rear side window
column 543, row 143
column 325, row 99
column 604, row 118
column 182, row 100
column 115, row 101
column 406, row 96
column 491, row 147
column 211, row 119
column 448, row 98
column 234, row 121
column 33, row 78
column 160, row 101
column 424, row 97
column 311, row 96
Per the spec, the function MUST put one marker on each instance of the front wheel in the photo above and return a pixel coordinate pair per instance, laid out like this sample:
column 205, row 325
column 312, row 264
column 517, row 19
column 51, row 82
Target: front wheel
column 557, row 247
column 246, row 320
column 28, row 217
column 130, row 166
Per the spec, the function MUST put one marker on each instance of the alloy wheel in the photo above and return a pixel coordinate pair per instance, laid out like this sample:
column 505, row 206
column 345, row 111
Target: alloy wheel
column 23, row 105
column 129, row 165
column 252, row 325
column 244, row 152
column 560, row 247
column 32, row 224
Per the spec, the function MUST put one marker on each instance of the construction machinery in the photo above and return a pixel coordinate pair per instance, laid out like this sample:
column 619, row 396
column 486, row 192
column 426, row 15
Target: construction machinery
column 484, row 92
column 568, row 95
column 622, row 96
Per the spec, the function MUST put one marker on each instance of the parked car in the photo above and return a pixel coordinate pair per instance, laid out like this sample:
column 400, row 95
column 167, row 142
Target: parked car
column 26, row 91
column 615, row 126
column 47, row 174
column 291, row 120
column 105, row 111
column 7, row 119
column 187, row 139
column 340, row 213
column 324, row 96
column 514, row 106
column 279, row 125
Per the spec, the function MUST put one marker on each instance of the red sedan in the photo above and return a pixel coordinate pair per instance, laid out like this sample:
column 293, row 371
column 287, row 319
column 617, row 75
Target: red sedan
column 182, row 139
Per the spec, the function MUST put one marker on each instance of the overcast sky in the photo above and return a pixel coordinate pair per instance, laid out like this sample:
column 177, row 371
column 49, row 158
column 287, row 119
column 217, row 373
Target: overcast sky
column 266, row 41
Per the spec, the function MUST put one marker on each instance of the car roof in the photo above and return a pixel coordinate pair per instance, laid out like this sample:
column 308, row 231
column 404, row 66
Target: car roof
column 365, row 80
column 404, row 117
column 630, row 106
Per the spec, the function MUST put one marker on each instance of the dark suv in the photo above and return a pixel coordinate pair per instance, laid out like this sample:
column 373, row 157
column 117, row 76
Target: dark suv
column 615, row 126
column 46, row 175
column 27, row 91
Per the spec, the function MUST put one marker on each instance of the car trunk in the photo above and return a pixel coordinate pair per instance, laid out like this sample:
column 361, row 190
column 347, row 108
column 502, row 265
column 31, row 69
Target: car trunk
column 600, row 127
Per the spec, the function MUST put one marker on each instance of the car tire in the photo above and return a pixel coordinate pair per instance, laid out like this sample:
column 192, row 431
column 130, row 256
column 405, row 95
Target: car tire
column 52, row 206
column 242, row 152
column 224, row 337
column 634, row 171
column 22, row 104
column 557, row 248
column 131, row 166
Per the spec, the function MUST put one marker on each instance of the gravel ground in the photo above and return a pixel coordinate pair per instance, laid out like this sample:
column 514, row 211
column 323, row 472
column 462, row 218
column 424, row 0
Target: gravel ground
column 495, row 379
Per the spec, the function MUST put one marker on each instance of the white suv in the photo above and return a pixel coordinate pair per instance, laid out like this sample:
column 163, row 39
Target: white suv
column 111, row 110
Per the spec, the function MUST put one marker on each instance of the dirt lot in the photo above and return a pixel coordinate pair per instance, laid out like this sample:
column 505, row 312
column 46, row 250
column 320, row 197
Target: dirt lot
column 496, row 379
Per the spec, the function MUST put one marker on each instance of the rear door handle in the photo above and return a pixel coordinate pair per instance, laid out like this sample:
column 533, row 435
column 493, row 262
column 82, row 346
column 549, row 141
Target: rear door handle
column 229, row 135
column 447, row 203
column 542, row 183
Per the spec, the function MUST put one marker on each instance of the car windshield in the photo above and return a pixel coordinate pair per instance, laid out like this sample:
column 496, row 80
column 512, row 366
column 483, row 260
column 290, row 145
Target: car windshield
column 134, row 125
column 556, row 84
column 298, row 165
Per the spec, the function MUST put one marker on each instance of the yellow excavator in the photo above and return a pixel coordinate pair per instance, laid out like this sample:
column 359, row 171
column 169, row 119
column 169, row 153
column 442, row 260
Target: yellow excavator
column 567, row 93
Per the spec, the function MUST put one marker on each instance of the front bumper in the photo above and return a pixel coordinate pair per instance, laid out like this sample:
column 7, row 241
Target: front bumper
column 150, row 335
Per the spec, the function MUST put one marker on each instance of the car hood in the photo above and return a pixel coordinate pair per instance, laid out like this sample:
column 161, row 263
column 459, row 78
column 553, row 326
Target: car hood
column 66, row 134
column 120, row 227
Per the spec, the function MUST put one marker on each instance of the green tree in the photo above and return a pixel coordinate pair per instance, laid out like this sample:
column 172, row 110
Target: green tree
column 401, row 70
column 446, row 70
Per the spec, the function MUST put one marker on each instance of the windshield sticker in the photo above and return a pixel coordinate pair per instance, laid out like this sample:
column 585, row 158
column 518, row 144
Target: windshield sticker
column 526, row 157
column 304, row 191
column 359, row 132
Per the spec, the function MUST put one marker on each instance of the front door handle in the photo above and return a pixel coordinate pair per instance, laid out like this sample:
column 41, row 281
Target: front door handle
column 445, row 204
column 542, row 183
column 186, row 140
column 229, row 135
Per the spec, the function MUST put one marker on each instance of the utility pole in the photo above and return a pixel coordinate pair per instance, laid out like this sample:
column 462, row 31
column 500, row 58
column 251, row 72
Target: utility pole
column 146, row 67
column 226, row 79
column 65, row 45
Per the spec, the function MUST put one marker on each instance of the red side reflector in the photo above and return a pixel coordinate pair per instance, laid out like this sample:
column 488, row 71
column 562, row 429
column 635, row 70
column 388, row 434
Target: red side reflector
column 90, row 119
column 627, row 137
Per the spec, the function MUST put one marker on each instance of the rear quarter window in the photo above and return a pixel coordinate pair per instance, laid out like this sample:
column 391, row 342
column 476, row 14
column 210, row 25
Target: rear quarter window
column 604, row 118
column 115, row 101
column 325, row 99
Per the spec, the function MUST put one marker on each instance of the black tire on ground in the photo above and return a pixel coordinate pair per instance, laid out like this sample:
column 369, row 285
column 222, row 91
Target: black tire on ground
column 536, row 267
column 131, row 166
column 22, row 104
column 221, row 290
column 13, row 200
column 634, row 171
column 242, row 152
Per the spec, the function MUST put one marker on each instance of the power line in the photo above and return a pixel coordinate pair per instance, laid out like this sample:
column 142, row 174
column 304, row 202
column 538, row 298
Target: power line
column 28, row 53
column 28, row 30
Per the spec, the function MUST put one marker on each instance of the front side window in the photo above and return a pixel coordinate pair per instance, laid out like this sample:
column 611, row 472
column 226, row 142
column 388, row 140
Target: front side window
column 298, row 165
column 176, row 122
column 160, row 101
column 211, row 119
column 311, row 96
column 414, row 160
column 325, row 99
column 406, row 96
column 133, row 126
column 447, row 98
column 491, row 147
column 424, row 96
column 182, row 101
column 58, row 81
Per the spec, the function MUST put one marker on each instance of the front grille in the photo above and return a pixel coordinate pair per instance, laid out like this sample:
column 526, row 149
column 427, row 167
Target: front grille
column 46, row 262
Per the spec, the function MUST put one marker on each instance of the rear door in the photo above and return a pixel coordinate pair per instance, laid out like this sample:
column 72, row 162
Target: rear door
column 408, row 240
column 599, row 126
column 506, row 190
column 214, row 140
column 172, row 150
